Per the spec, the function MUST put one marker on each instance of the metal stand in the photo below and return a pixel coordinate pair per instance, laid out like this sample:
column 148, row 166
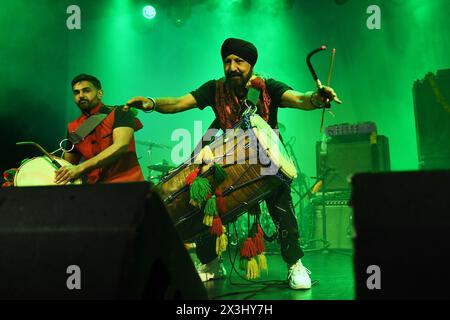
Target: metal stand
column 324, row 239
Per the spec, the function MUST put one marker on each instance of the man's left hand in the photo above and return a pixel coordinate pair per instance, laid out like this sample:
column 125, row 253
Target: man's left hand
column 325, row 95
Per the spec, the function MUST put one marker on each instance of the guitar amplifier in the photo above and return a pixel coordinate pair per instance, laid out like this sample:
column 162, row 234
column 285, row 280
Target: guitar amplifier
column 343, row 156
column 338, row 226
column 432, row 116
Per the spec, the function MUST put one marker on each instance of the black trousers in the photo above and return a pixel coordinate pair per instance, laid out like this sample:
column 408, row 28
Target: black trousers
column 279, row 204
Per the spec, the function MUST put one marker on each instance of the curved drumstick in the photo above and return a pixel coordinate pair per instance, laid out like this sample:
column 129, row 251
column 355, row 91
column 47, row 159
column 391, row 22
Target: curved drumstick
column 311, row 68
column 316, row 78
column 37, row 145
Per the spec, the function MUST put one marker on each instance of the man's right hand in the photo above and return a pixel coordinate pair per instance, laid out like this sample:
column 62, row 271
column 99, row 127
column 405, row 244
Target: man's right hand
column 140, row 103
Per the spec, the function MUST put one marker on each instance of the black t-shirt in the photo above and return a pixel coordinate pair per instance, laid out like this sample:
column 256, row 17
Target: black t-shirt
column 124, row 119
column 205, row 95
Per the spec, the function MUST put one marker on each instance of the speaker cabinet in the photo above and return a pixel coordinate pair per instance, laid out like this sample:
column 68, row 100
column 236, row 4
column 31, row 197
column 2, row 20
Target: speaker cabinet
column 432, row 116
column 111, row 241
column 345, row 156
column 338, row 226
column 402, row 223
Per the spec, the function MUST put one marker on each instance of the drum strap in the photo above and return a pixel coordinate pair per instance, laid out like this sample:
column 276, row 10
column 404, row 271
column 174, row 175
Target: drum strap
column 86, row 127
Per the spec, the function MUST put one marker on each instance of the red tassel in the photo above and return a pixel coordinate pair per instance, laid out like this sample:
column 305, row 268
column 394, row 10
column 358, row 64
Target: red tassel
column 248, row 248
column 259, row 243
column 192, row 176
column 217, row 227
column 260, row 231
column 220, row 202
column 6, row 184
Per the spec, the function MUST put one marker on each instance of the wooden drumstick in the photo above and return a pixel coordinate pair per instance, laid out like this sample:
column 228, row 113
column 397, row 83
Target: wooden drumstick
column 333, row 53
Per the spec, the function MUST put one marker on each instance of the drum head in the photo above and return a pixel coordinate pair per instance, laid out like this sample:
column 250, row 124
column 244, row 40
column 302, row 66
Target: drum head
column 38, row 171
column 268, row 140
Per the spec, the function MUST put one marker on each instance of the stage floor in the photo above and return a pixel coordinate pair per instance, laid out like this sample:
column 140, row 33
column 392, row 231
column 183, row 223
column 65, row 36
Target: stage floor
column 331, row 273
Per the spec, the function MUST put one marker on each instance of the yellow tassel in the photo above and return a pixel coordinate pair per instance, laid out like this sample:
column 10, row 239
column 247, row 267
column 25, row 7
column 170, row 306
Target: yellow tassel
column 208, row 155
column 199, row 158
column 221, row 243
column 204, row 156
column 252, row 269
column 262, row 262
column 208, row 220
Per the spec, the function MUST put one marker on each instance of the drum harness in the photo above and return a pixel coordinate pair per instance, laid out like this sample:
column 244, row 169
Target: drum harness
column 74, row 137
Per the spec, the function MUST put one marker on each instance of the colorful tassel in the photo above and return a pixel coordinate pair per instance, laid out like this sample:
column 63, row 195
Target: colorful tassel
column 6, row 184
column 248, row 248
column 252, row 269
column 190, row 178
column 208, row 220
column 9, row 174
column 219, row 174
column 262, row 262
column 199, row 190
column 259, row 243
column 210, row 207
column 204, row 156
column 217, row 226
column 260, row 230
column 221, row 243
column 208, row 155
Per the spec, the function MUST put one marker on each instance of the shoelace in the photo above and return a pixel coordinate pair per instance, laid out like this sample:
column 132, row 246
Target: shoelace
column 298, row 267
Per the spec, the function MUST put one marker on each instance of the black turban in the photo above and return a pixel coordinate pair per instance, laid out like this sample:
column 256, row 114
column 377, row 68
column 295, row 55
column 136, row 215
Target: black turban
column 241, row 48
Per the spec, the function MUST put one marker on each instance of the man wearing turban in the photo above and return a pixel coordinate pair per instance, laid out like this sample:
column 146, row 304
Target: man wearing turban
column 226, row 97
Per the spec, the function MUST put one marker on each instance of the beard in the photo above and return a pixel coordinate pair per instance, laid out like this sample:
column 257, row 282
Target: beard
column 86, row 105
column 236, row 80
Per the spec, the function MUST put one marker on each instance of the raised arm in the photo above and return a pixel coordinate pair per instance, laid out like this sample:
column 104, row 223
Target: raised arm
column 309, row 100
column 163, row 105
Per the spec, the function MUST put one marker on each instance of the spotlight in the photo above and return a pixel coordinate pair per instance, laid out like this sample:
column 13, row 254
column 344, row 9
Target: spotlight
column 149, row 12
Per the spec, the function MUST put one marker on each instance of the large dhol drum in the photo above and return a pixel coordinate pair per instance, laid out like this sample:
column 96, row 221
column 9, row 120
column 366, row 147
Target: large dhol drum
column 39, row 171
column 256, row 162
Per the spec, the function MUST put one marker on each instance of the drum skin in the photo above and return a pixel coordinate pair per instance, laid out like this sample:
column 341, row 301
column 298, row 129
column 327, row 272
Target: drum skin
column 39, row 171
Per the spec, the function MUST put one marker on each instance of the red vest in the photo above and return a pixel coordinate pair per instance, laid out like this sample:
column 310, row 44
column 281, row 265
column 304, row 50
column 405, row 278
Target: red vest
column 125, row 169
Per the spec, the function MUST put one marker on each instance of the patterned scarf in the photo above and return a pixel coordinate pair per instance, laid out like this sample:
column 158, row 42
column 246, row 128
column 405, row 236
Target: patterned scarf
column 228, row 109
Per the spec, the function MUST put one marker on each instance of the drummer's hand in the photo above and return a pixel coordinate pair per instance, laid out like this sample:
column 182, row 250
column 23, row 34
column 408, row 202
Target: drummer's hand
column 325, row 95
column 67, row 173
column 141, row 103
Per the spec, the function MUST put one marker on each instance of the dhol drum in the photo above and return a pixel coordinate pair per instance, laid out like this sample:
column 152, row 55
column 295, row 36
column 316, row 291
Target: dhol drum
column 39, row 171
column 255, row 161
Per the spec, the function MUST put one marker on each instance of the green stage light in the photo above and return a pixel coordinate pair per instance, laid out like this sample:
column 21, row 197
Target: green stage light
column 149, row 12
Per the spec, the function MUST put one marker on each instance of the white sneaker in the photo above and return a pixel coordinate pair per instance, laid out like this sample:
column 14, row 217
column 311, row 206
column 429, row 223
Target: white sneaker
column 211, row 271
column 298, row 276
